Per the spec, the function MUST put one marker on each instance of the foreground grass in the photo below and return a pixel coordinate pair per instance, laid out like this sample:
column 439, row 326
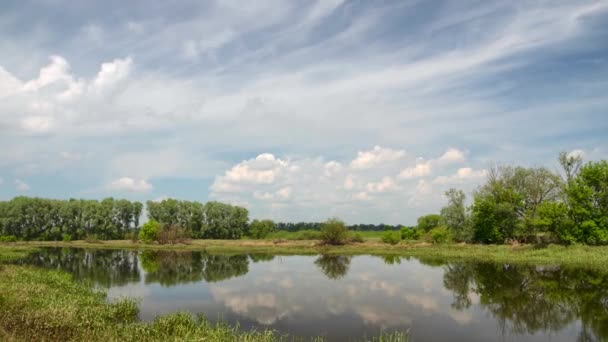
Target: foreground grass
column 579, row 256
column 43, row 305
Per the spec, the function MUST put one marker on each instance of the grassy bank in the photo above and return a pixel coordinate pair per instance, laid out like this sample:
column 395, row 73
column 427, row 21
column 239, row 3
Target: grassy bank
column 44, row 305
column 585, row 256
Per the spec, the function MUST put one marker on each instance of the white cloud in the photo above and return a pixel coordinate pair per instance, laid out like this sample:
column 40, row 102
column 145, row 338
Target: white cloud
column 130, row 184
column 462, row 174
column 21, row 185
column 112, row 73
column 452, row 155
column 57, row 70
column 36, row 124
column 376, row 156
column 386, row 184
column 420, row 170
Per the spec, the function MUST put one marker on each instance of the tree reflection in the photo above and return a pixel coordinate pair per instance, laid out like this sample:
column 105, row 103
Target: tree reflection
column 170, row 268
column 102, row 267
column 333, row 266
column 528, row 299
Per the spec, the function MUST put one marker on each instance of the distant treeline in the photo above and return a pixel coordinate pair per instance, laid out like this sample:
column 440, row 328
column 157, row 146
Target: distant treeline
column 295, row 227
column 26, row 218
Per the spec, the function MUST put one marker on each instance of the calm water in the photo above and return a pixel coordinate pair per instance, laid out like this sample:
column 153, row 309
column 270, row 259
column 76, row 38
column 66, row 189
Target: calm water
column 344, row 298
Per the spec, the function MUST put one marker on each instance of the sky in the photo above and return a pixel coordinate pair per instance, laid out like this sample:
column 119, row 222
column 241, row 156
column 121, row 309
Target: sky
column 297, row 110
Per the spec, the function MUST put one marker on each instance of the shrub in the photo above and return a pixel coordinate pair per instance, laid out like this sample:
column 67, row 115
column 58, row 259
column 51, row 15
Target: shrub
column 410, row 233
column 357, row 237
column 91, row 238
column 149, row 231
column 8, row 238
column 392, row 237
column 261, row 229
column 440, row 235
column 172, row 234
column 334, row 232
column 66, row 237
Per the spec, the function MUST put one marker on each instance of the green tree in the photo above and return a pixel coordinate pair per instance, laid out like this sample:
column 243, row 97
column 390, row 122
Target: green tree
column 149, row 231
column 455, row 216
column 334, row 232
column 259, row 229
column 428, row 222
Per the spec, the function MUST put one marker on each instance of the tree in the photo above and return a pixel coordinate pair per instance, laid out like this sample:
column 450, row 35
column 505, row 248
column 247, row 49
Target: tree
column 455, row 217
column 428, row 222
column 260, row 229
column 149, row 231
column 587, row 196
column 334, row 232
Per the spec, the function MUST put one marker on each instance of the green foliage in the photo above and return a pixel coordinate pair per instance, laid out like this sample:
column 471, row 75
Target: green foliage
column 66, row 237
column 172, row 234
column 334, row 232
column 186, row 214
column 357, row 237
column 408, row 233
column 440, row 235
column 224, row 221
column 428, row 222
column 260, row 229
column 43, row 219
column 587, row 195
column 391, row 237
column 297, row 235
column 8, row 238
column 455, row 216
column 149, row 231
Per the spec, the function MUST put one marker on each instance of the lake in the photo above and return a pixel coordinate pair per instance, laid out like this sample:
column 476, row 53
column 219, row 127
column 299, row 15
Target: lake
column 349, row 297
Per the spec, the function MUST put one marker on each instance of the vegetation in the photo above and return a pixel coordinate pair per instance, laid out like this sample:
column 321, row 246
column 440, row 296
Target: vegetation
column 299, row 226
column 260, row 229
column 408, row 233
column 149, row 231
column 531, row 205
column 334, row 232
column 440, row 235
column 391, row 237
column 27, row 218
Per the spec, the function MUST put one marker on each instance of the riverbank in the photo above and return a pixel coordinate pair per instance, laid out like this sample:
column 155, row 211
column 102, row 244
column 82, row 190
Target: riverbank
column 578, row 256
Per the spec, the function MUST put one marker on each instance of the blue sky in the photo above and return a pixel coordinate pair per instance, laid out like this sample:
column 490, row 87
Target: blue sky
column 298, row 110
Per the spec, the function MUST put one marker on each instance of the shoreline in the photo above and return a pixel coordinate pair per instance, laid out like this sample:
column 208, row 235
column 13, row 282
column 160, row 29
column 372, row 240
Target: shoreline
column 577, row 255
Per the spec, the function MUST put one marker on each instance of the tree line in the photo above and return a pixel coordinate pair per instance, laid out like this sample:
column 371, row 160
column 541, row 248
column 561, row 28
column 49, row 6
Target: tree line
column 300, row 226
column 27, row 218
column 530, row 205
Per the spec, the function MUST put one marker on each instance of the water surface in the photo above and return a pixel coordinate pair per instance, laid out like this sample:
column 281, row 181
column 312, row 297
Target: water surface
column 345, row 298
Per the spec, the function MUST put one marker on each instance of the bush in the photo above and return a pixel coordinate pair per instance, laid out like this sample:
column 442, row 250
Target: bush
column 392, row 237
column 440, row 235
column 261, row 229
column 172, row 234
column 91, row 238
column 334, row 232
column 357, row 237
column 149, row 231
column 66, row 237
column 8, row 238
column 410, row 233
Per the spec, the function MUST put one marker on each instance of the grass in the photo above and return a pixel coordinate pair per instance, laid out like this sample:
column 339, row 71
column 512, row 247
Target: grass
column 579, row 256
column 48, row 305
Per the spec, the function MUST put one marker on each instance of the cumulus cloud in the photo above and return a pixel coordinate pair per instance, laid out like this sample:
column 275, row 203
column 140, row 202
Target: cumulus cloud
column 334, row 188
column 376, row 156
column 130, row 184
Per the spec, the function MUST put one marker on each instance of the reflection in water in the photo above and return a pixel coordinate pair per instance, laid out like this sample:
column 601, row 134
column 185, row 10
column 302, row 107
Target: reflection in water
column 344, row 297
column 528, row 299
column 333, row 266
column 103, row 267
